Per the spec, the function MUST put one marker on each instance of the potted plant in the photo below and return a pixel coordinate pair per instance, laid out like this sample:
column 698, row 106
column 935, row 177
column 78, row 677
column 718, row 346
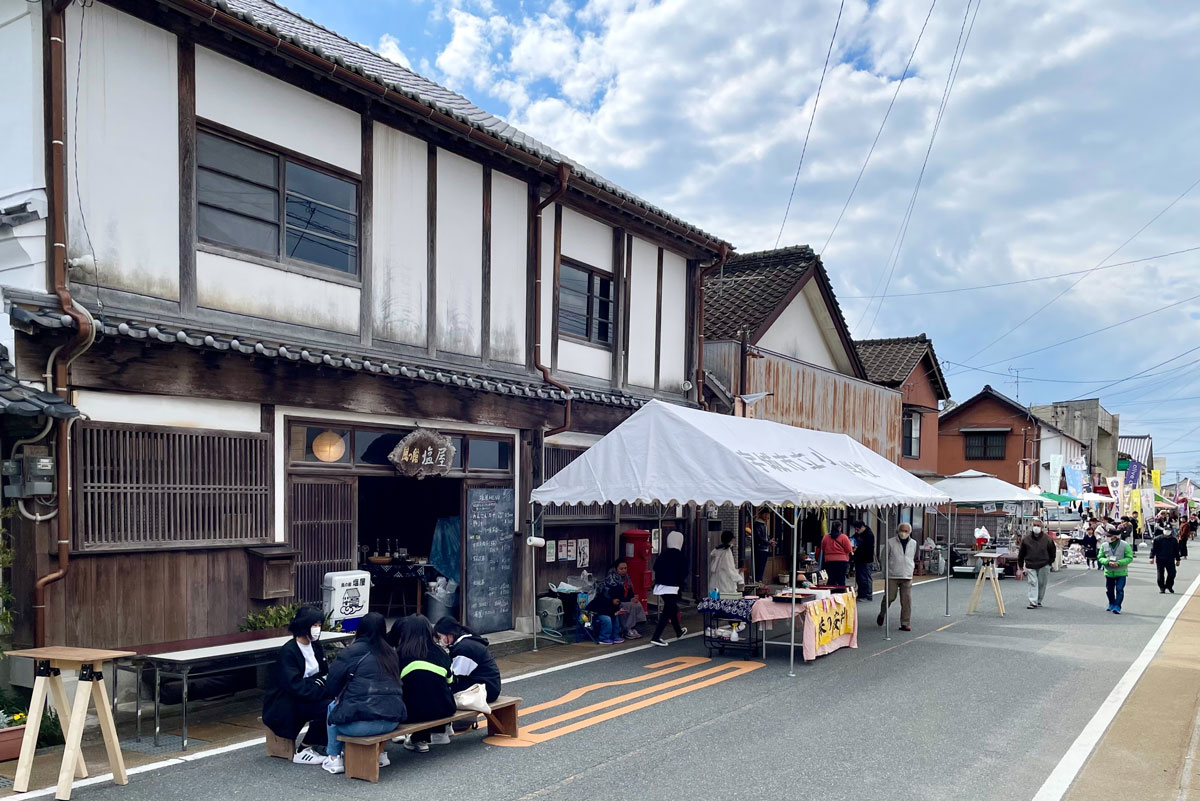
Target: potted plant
column 12, row 732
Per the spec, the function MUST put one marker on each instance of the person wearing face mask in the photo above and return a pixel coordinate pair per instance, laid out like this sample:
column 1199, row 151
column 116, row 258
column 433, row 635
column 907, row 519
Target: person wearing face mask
column 901, row 561
column 1115, row 555
column 1035, row 556
column 296, row 692
column 670, row 571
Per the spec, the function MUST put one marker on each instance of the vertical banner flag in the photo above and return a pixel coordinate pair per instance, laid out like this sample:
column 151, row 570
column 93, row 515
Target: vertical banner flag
column 1114, row 489
column 1074, row 481
column 1156, row 480
column 1056, row 466
column 1133, row 476
column 1148, row 503
column 1135, row 506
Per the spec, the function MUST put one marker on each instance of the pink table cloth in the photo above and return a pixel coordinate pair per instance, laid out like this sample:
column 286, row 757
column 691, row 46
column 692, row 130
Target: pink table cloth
column 827, row 624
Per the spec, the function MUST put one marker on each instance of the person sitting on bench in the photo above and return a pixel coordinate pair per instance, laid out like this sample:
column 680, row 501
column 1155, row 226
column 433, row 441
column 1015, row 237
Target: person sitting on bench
column 296, row 688
column 365, row 683
column 470, row 662
column 425, row 676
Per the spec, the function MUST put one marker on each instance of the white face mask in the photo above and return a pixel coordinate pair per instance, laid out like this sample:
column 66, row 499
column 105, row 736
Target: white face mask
column 903, row 535
column 314, row 633
column 1037, row 529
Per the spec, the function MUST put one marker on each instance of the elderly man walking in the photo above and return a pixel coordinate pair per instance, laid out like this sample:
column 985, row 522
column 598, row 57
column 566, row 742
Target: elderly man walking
column 901, row 561
column 1036, row 554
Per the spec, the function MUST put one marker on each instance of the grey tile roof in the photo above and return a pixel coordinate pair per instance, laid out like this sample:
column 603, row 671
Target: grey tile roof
column 27, row 316
column 744, row 293
column 22, row 401
column 891, row 361
column 337, row 49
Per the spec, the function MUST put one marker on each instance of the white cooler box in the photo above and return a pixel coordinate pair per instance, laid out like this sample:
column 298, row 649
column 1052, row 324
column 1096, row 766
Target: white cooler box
column 346, row 596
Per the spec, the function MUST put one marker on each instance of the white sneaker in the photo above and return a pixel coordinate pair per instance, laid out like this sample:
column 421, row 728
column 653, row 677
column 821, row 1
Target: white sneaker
column 682, row 633
column 441, row 738
column 419, row 747
column 308, row 756
column 403, row 738
column 657, row 641
column 334, row 764
column 383, row 759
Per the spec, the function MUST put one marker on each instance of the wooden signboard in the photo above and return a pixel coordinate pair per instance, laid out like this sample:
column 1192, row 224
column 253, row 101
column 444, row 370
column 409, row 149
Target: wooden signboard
column 490, row 525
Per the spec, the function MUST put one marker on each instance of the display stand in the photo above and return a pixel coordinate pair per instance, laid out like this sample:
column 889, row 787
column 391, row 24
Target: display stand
column 987, row 573
column 48, row 666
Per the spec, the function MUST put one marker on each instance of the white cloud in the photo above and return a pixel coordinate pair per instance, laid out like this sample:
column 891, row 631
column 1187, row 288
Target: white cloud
column 389, row 48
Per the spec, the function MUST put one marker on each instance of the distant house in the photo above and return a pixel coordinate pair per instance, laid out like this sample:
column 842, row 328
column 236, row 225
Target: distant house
column 1093, row 425
column 993, row 433
column 909, row 365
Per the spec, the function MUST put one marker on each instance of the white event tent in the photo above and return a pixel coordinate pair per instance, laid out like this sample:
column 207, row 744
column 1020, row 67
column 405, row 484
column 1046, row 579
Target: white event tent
column 973, row 488
column 665, row 453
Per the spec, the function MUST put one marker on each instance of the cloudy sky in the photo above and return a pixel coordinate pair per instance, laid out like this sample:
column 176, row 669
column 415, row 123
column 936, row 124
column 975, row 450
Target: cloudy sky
column 1068, row 127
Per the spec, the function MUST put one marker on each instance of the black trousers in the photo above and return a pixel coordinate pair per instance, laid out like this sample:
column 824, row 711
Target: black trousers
column 1166, row 575
column 668, row 613
column 313, row 713
column 837, row 573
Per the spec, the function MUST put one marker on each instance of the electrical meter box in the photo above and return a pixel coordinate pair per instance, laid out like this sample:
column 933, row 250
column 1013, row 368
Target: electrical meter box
column 346, row 596
column 29, row 474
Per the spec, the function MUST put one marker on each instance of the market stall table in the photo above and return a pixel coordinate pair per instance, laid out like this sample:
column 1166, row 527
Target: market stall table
column 48, row 666
column 829, row 624
column 987, row 573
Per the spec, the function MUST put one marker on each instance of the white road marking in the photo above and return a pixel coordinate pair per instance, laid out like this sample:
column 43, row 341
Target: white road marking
column 1064, row 773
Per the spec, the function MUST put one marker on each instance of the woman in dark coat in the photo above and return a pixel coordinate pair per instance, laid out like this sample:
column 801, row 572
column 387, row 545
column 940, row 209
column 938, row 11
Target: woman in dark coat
column 670, row 572
column 365, row 683
column 296, row 688
column 470, row 661
column 425, row 673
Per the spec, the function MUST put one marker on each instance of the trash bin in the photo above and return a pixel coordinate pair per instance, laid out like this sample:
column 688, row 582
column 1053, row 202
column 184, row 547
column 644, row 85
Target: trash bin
column 346, row 597
column 436, row 609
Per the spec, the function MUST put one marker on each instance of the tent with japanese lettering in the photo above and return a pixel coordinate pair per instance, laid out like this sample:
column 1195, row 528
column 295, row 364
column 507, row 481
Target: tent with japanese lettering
column 669, row 454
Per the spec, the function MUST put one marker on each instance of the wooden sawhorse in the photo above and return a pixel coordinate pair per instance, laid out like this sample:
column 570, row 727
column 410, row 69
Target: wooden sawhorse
column 48, row 666
column 987, row 573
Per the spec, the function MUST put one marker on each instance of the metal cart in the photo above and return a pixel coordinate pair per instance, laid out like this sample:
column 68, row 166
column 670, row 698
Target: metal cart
column 725, row 614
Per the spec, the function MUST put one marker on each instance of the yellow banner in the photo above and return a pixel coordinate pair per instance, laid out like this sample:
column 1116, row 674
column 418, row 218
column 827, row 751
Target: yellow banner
column 1156, row 477
column 833, row 618
column 1135, row 504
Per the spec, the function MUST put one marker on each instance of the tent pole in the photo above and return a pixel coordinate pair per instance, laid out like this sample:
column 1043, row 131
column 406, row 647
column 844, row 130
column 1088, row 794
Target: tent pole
column 887, row 582
column 949, row 569
column 792, row 650
column 538, row 528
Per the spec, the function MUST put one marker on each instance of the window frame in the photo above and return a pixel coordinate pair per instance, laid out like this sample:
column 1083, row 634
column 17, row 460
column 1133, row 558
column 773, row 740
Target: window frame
column 911, row 418
column 593, row 300
column 283, row 155
column 986, row 443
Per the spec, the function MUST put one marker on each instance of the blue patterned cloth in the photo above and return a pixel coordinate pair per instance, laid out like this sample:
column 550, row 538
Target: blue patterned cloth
column 738, row 608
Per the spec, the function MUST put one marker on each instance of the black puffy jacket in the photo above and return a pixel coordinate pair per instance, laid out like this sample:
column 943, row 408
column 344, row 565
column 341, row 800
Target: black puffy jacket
column 670, row 569
column 287, row 687
column 472, row 663
column 363, row 688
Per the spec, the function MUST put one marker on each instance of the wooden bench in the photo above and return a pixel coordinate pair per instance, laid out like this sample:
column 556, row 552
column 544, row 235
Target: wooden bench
column 362, row 753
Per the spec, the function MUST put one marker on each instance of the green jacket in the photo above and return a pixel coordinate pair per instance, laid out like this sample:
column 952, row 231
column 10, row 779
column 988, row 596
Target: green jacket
column 1122, row 568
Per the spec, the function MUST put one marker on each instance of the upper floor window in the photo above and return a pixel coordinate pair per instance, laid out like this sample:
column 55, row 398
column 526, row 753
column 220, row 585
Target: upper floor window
column 586, row 304
column 985, row 445
column 911, row 434
column 271, row 205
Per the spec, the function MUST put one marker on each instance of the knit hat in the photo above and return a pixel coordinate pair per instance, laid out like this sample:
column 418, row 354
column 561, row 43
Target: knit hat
column 675, row 540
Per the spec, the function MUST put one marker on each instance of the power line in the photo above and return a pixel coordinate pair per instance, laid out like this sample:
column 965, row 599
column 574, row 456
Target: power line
column 1021, row 280
column 1048, row 303
column 969, row 369
column 1135, row 375
column 960, row 50
column 886, row 114
column 811, row 117
column 1181, row 436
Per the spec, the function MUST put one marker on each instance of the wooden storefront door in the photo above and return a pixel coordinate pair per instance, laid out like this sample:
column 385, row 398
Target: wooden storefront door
column 322, row 522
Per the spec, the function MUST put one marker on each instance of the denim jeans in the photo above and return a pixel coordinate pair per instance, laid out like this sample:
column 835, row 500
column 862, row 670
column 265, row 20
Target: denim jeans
column 1115, row 587
column 605, row 627
column 866, row 585
column 357, row 728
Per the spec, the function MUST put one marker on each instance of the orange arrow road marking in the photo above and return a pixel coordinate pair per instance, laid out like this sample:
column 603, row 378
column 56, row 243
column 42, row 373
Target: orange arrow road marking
column 679, row 663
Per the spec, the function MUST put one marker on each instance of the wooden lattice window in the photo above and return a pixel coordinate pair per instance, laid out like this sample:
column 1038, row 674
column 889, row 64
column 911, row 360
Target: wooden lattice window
column 150, row 487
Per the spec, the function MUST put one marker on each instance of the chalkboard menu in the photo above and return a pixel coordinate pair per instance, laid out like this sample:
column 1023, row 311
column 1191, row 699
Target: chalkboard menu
column 490, row 527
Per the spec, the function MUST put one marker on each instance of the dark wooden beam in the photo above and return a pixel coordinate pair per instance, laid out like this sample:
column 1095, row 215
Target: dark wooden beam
column 554, row 286
column 187, row 177
column 366, row 221
column 485, row 334
column 621, row 317
column 658, row 327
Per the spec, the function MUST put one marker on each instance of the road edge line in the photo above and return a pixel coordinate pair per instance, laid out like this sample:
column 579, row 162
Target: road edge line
column 1072, row 762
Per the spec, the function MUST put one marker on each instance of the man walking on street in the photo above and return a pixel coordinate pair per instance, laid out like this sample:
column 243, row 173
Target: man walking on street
column 864, row 560
column 901, row 561
column 1035, row 556
column 1164, row 553
column 1115, row 555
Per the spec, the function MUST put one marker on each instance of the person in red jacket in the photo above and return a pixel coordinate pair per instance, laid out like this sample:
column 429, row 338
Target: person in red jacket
column 835, row 551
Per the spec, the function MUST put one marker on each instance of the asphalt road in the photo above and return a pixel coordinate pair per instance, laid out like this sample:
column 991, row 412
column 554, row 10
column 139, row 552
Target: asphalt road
column 982, row 709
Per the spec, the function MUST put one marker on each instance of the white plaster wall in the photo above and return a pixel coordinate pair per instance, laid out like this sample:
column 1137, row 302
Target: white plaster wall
column 22, row 164
column 587, row 240
column 510, row 278
column 400, row 239
column 643, row 308
column 256, row 290
column 797, row 334
column 548, row 288
column 459, row 254
column 254, row 103
column 168, row 410
column 673, row 356
column 575, row 357
column 128, row 151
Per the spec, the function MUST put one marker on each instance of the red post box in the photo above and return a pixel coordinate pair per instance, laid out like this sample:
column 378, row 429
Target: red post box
column 635, row 547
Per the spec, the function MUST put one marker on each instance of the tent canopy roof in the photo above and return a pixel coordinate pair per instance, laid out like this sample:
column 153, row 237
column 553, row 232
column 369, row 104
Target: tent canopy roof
column 972, row 486
column 671, row 454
